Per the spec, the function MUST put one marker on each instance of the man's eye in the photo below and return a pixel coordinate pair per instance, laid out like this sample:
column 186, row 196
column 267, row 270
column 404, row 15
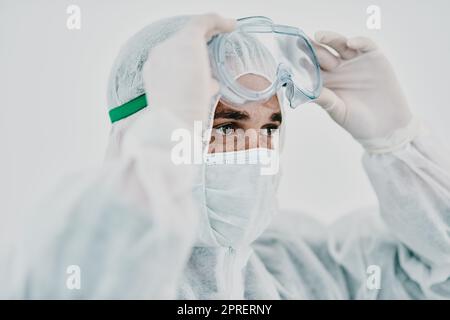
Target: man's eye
column 269, row 131
column 226, row 130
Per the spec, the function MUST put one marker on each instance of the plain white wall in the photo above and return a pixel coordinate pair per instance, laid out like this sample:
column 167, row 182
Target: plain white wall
column 53, row 117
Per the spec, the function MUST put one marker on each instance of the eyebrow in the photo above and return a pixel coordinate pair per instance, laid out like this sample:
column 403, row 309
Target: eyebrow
column 232, row 114
column 276, row 117
column 225, row 113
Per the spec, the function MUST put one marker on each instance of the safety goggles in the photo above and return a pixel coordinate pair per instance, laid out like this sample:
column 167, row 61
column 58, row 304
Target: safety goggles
column 280, row 54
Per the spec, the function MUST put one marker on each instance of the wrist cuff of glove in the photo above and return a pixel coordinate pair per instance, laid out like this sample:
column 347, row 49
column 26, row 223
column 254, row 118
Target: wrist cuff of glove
column 395, row 141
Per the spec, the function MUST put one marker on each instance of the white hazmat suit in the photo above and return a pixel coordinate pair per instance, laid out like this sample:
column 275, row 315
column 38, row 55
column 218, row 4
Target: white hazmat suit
column 135, row 230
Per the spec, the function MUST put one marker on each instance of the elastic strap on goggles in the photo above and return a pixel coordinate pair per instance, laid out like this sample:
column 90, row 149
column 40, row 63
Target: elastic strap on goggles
column 128, row 108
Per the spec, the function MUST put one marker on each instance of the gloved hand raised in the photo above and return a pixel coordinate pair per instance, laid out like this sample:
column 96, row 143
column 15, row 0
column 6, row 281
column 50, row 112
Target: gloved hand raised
column 177, row 74
column 362, row 94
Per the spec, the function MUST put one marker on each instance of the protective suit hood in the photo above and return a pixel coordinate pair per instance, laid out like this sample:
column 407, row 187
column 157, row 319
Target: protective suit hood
column 236, row 201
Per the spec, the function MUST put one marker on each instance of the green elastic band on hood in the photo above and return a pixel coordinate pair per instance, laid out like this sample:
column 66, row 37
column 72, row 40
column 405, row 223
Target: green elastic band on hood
column 128, row 108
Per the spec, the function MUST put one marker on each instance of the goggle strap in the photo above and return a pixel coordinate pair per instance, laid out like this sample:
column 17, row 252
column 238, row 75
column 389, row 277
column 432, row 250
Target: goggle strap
column 128, row 108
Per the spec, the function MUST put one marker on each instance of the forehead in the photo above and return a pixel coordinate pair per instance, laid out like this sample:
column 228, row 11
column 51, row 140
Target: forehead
column 258, row 83
column 254, row 82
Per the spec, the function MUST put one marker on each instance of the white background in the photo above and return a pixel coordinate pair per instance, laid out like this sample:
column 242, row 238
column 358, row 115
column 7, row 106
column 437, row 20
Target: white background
column 53, row 113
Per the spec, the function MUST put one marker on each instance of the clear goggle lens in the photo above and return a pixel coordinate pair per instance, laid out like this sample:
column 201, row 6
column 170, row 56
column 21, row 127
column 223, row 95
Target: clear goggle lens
column 277, row 55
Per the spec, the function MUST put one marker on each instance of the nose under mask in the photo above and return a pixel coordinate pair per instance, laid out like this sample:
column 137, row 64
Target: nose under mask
column 239, row 196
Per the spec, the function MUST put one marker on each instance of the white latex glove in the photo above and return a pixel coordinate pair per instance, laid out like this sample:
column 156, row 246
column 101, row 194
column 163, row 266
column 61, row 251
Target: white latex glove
column 177, row 74
column 362, row 94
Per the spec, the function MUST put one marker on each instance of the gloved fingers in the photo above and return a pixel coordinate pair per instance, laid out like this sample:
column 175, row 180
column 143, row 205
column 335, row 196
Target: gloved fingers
column 211, row 24
column 333, row 105
column 336, row 41
column 215, row 87
column 362, row 44
column 327, row 60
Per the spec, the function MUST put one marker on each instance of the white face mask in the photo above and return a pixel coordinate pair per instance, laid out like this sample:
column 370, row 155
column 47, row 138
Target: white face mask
column 239, row 198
